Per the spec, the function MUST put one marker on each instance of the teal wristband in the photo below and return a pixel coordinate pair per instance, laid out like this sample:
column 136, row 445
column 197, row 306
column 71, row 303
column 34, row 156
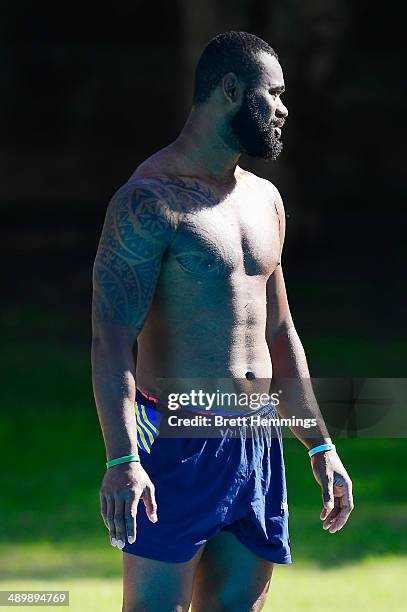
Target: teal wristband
column 125, row 459
column 321, row 448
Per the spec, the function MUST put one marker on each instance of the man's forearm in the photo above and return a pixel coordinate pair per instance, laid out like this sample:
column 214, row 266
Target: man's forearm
column 114, row 387
column 291, row 377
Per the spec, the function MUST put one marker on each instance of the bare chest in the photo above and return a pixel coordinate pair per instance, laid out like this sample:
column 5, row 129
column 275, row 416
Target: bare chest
column 238, row 235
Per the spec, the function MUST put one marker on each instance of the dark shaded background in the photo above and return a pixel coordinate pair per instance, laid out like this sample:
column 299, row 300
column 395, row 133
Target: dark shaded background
column 88, row 92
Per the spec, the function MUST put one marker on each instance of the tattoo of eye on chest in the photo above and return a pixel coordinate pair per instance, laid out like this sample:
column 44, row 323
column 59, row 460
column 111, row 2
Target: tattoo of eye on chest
column 140, row 222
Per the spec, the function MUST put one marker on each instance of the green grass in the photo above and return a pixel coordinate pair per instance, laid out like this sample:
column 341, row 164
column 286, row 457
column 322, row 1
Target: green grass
column 52, row 536
column 372, row 585
column 85, row 594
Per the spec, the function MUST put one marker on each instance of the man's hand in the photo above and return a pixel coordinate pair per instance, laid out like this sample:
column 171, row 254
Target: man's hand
column 122, row 488
column 336, row 489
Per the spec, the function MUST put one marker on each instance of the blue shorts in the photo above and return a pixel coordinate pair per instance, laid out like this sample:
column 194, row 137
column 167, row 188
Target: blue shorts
column 207, row 485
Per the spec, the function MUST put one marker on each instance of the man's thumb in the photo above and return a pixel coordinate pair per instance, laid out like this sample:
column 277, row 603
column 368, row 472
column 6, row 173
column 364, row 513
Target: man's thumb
column 150, row 503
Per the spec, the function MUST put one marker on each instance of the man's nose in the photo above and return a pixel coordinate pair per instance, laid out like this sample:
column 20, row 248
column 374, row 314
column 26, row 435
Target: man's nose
column 281, row 110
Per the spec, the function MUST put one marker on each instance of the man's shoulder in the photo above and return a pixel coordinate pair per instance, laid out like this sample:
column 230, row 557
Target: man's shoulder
column 144, row 193
column 140, row 206
column 140, row 185
column 266, row 185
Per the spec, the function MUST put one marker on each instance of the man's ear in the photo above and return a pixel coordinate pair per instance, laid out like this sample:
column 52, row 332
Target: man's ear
column 231, row 87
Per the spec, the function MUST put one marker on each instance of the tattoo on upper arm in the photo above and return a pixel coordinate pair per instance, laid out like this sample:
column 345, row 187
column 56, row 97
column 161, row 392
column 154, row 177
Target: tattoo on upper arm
column 135, row 234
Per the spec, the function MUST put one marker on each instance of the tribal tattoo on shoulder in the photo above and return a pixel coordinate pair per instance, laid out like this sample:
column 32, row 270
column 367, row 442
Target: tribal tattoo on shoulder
column 141, row 221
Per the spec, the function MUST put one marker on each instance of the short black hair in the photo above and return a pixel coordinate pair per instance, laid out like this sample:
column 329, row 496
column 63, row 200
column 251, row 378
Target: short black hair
column 229, row 52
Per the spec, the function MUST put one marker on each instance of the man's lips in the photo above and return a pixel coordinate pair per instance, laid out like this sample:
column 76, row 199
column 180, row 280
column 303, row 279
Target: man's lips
column 278, row 130
column 277, row 125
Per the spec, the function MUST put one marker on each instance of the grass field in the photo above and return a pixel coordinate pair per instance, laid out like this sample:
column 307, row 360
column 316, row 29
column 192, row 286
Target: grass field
column 374, row 585
column 52, row 536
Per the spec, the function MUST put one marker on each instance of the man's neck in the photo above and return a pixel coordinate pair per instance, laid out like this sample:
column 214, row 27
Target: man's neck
column 201, row 151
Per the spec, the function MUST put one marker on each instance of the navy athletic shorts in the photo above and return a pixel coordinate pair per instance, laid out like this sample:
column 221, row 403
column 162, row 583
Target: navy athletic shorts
column 207, row 485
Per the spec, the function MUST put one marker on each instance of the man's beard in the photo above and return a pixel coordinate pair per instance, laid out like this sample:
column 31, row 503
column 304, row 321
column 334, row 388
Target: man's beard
column 249, row 131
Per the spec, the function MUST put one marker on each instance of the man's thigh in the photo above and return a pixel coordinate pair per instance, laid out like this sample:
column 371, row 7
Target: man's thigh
column 230, row 577
column 150, row 585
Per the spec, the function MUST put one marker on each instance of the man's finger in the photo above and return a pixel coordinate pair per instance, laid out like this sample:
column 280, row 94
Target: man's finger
column 332, row 516
column 150, row 503
column 346, row 508
column 130, row 515
column 110, row 519
column 327, row 496
column 119, row 522
column 341, row 518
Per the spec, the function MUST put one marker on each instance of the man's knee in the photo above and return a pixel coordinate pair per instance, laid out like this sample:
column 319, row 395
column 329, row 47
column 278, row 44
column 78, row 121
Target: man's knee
column 140, row 604
column 149, row 586
column 227, row 601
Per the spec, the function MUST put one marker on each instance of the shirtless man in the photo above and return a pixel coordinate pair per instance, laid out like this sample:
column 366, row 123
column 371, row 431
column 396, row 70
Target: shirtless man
column 188, row 284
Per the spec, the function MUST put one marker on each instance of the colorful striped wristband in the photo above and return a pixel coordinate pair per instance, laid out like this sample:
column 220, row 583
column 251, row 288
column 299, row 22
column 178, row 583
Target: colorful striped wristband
column 321, row 448
column 126, row 458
